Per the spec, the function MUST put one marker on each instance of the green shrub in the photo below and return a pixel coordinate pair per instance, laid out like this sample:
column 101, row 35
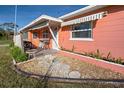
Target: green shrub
column 21, row 57
column 91, row 54
column 108, row 57
column 99, row 55
column 119, row 61
column 18, row 55
column 96, row 54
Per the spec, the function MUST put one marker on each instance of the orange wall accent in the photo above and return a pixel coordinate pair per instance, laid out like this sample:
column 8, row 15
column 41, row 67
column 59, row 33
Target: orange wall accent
column 108, row 34
column 36, row 41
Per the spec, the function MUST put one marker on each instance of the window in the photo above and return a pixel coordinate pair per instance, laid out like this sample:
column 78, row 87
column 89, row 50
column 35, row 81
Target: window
column 82, row 30
column 25, row 35
column 46, row 34
column 35, row 35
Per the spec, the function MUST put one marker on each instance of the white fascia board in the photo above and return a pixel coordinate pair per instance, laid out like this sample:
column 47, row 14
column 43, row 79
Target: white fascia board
column 39, row 19
column 52, row 18
column 82, row 11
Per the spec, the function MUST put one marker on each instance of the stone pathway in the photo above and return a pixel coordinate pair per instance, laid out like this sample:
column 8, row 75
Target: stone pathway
column 74, row 74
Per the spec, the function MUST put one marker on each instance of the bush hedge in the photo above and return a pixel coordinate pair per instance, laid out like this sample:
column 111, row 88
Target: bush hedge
column 18, row 54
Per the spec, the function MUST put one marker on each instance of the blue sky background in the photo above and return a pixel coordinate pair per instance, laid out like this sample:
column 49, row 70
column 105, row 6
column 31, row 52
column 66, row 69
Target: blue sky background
column 28, row 13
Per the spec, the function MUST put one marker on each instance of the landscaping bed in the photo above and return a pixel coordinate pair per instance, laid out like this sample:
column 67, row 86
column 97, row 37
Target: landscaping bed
column 66, row 67
column 98, row 55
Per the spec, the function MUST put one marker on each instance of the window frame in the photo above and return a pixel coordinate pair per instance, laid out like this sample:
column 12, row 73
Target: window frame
column 46, row 34
column 84, row 39
column 33, row 35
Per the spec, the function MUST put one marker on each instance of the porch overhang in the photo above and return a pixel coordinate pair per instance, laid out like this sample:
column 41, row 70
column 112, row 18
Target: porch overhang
column 39, row 27
column 42, row 22
column 44, row 18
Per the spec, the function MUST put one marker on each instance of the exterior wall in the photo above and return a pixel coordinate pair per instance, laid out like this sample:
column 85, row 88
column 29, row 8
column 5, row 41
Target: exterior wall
column 108, row 34
column 36, row 41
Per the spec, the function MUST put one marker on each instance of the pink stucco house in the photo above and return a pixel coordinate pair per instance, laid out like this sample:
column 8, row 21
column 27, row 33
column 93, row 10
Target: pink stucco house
column 87, row 29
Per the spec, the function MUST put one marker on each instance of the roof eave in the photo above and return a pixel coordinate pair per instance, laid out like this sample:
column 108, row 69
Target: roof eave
column 82, row 11
column 39, row 19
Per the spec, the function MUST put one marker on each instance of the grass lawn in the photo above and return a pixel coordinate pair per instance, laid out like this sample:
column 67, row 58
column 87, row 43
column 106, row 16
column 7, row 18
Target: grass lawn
column 5, row 42
column 9, row 78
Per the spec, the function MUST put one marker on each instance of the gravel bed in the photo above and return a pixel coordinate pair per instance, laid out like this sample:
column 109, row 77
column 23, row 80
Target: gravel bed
column 60, row 66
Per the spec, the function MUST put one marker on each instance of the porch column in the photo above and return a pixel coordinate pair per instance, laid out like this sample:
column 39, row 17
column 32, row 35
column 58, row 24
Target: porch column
column 53, row 36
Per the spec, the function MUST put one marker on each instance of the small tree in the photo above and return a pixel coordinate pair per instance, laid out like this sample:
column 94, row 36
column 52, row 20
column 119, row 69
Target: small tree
column 7, row 29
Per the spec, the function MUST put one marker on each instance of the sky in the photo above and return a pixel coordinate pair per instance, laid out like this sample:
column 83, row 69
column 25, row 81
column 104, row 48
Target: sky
column 27, row 13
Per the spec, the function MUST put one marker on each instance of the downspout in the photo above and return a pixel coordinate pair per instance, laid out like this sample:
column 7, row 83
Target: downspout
column 53, row 36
